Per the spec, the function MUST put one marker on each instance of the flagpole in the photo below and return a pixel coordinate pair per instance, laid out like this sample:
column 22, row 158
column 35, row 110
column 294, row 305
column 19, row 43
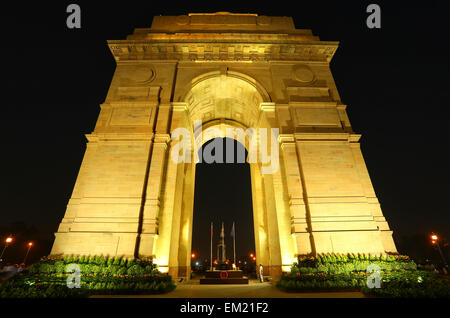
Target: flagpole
column 211, row 245
column 234, row 244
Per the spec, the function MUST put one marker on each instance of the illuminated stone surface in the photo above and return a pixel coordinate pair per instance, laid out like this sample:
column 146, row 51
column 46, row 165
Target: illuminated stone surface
column 228, row 70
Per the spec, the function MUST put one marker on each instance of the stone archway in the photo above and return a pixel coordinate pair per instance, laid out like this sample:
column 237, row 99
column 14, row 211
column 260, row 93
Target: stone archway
column 229, row 71
column 223, row 103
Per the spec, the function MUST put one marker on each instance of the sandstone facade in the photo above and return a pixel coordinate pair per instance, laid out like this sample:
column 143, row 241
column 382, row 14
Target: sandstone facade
column 228, row 70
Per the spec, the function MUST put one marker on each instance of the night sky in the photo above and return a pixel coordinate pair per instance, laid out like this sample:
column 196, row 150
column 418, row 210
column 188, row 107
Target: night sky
column 395, row 82
column 223, row 194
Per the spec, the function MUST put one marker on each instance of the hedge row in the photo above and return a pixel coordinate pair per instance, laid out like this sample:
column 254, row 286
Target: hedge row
column 332, row 258
column 405, row 284
column 416, row 284
column 97, row 265
column 399, row 276
column 98, row 275
column 43, row 286
column 348, row 263
column 319, row 282
column 97, row 260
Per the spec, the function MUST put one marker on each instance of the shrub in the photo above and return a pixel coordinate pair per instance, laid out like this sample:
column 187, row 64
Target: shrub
column 340, row 263
column 34, row 268
column 99, row 275
column 59, row 267
column 131, row 262
column 101, row 261
column 121, row 271
column 117, row 261
column 413, row 284
column 135, row 270
column 151, row 269
column 42, row 291
column 46, row 268
column 343, row 271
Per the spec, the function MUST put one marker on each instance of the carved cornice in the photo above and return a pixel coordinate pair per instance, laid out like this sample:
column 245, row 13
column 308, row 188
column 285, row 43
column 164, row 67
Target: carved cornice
column 98, row 137
column 351, row 138
column 284, row 139
column 162, row 139
column 317, row 51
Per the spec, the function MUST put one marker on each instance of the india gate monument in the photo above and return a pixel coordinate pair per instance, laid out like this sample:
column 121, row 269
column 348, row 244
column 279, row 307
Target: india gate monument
column 226, row 71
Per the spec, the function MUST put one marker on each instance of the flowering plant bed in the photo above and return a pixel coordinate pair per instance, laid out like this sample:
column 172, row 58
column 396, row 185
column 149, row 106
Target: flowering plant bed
column 398, row 276
column 97, row 275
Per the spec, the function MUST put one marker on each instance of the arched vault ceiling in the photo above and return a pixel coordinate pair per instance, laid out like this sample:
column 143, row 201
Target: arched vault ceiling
column 224, row 97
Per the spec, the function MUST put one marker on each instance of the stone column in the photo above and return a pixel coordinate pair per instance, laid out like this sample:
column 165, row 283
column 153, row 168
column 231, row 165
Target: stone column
column 259, row 218
column 268, row 121
column 153, row 188
column 300, row 222
column 151, row 197
column 168, row 241
column 186, row 221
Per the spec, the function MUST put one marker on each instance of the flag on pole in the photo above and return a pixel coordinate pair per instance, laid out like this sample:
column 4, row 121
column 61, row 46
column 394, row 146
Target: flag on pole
column 211, row 261
column 233, row 234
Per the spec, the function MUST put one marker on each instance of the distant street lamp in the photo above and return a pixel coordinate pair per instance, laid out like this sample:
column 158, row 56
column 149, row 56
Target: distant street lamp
column 30, row 244
column 8, row 241
column 435, row 240
column 193, row 255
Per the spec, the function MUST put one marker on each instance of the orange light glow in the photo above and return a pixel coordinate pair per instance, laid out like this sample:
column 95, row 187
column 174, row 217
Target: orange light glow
column 30, row 244
column 434, row 237
column 9, row 240
column 193, row 255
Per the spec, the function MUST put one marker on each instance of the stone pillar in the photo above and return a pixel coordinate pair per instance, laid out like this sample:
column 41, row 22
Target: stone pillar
column 186, row 220
column 275, row 262
column 301, row 223
column 259, row 219
column 167, row 245
column 284, row 216
column 151, row 197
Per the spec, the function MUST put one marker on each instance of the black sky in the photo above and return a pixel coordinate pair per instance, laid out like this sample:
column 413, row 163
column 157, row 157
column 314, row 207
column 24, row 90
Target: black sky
column 223, row 194
column 395, row 82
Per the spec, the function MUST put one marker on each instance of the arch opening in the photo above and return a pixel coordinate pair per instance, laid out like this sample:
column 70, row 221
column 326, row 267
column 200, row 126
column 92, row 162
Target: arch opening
column 223, row 193
column 217, row 103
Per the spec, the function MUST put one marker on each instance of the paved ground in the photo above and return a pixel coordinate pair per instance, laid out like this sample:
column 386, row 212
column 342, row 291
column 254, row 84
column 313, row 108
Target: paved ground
column 254, row 289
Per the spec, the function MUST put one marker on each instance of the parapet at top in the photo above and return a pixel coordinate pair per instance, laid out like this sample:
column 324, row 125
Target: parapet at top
column 222, row 22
